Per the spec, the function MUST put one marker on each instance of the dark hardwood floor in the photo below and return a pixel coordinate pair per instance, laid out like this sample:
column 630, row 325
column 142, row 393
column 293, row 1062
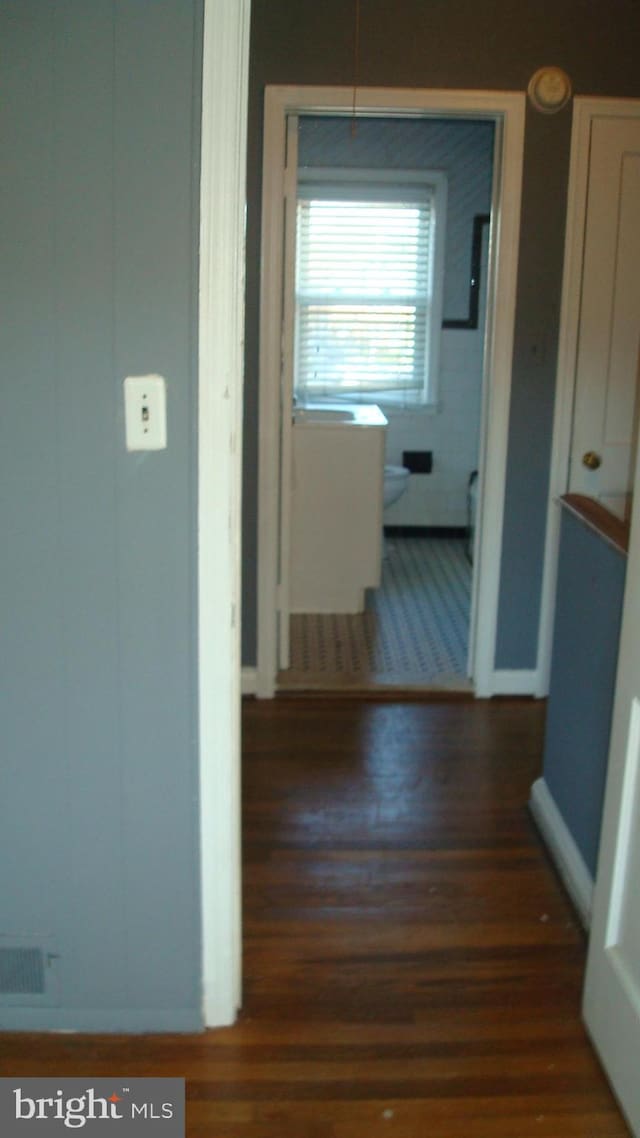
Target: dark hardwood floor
column 412, row 967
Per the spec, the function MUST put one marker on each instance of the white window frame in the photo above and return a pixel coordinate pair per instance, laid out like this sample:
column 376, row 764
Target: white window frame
column 347, row 183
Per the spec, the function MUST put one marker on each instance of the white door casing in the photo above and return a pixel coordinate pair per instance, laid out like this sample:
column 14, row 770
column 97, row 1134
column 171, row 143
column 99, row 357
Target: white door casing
column 612, row 988
column 506, row 109
column 220, row 370
column 286, row 387
column 587, row 112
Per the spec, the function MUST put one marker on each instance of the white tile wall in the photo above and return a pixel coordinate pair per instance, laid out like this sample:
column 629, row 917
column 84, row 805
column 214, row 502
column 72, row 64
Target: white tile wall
column 464, row 150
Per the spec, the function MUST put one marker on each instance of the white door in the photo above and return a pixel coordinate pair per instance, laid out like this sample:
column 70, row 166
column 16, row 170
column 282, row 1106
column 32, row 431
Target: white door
column 604, row 428
column 612, row 988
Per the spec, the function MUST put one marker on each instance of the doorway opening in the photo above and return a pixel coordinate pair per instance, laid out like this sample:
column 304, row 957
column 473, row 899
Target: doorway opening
column 426, row 610
column 389, row 281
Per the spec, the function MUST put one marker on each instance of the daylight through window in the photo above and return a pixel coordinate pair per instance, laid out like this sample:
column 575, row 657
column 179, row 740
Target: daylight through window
column 366, row 292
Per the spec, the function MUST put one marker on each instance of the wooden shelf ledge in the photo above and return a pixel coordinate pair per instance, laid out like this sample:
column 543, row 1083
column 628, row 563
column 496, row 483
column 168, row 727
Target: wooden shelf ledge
column 610, row 528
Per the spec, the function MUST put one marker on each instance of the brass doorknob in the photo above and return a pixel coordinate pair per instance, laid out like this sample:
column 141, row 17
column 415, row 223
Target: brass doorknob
column 591, row 460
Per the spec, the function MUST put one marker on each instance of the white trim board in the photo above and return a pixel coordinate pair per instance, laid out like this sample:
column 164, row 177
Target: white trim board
column 563, row 850
column 585, row 109
column 249, row 681
column 514, row 681
column 507, row 110
column 521, row 681
column 220, row 369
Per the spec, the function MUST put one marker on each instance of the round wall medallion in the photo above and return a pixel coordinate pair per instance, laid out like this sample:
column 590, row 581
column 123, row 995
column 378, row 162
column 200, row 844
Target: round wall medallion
column 549, row 89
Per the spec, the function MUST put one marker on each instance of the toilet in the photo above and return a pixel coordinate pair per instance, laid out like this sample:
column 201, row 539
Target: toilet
column 395, row 483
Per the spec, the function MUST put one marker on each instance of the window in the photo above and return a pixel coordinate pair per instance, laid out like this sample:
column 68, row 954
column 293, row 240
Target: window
column 368, row 286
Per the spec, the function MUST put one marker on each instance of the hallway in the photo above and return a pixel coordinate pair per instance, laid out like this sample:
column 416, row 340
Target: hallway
column 404, row 933
column 412, row 967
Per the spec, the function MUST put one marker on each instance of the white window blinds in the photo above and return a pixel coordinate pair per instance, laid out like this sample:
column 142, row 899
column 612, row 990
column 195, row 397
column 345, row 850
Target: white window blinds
column 364, row 292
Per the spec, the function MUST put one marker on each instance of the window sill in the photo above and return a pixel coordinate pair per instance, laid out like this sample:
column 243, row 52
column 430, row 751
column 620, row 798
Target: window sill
column 402, row 410
column 396, row 406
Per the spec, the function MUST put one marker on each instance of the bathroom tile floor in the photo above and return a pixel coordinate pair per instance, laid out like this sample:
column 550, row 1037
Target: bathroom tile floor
column 413, row 633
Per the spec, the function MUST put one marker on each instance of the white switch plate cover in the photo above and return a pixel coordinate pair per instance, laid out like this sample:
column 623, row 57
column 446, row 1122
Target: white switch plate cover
column 145, row 412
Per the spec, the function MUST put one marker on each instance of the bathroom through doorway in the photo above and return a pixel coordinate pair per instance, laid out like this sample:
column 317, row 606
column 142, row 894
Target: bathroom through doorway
column 420, row 624
column 389, row 209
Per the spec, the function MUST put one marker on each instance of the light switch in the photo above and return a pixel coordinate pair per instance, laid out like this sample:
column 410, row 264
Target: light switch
column 145, row 412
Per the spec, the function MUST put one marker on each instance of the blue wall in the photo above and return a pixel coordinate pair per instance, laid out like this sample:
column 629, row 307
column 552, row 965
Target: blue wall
column 591, row 577
column 99, row 837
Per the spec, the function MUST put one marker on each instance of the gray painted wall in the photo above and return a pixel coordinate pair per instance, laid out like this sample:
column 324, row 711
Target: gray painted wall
column 99, row 840
column 585, row 652
column 488, row 45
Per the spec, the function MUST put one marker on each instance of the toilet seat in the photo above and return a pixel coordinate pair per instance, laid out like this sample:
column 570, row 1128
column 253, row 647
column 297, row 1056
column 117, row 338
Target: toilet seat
column 395, row 482
column 396, row 471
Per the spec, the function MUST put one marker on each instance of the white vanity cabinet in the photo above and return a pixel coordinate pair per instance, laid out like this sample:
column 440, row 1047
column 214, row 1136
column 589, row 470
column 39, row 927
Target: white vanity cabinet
column 336, row 507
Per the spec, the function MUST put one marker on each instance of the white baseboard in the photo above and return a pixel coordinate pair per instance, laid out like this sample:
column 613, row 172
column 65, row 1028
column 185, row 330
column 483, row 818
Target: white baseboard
column 515, row 681
column 563, row 850
column 519, row 681
column 249, row 681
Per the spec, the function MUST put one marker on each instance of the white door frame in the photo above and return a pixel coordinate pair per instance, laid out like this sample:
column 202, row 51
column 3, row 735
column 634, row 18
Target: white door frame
column 507, row 109
column 585, row 110
column 611, row 1004
column 220, row 371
